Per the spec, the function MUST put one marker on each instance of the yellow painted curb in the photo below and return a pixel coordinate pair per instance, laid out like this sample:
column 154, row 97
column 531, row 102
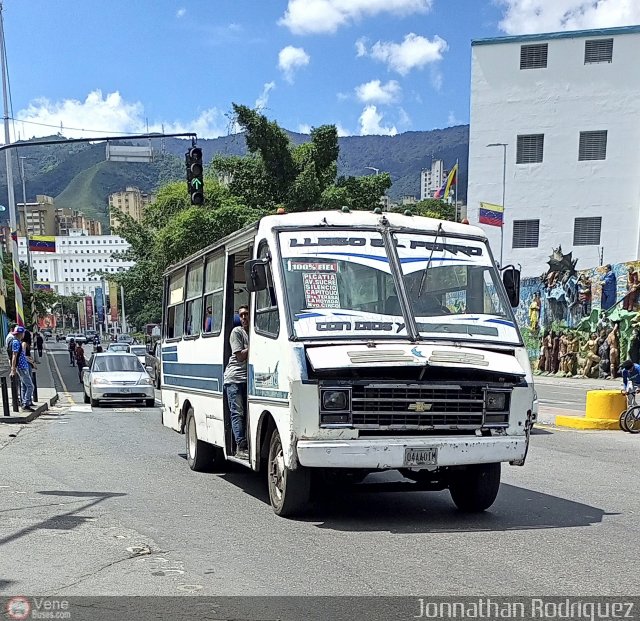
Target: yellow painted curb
column 579, row 422
column 605, row 405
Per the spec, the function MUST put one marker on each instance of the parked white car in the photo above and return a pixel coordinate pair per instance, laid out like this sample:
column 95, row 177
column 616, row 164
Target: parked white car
column 78, row 338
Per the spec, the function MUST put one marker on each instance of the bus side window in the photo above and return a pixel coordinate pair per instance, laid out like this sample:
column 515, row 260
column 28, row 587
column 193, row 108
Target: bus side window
column 175, row 310
column 266, row 317
column 213, row 298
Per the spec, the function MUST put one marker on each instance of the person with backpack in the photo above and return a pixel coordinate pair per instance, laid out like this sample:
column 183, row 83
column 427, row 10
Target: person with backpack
column 80, row 360
column 72, row 352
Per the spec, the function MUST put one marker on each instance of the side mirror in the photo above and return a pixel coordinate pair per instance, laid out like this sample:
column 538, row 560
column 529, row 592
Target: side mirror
column 511, row 281
column 255, row 272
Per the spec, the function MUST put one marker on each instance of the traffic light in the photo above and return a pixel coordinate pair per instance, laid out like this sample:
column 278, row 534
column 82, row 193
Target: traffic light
column 195, row 182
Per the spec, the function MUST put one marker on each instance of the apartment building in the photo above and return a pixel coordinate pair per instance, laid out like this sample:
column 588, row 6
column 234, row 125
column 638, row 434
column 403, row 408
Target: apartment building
column 558, row 114
column 130, row 201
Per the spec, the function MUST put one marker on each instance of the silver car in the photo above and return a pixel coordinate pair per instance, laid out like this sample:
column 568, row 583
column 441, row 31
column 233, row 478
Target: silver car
column 117, row 377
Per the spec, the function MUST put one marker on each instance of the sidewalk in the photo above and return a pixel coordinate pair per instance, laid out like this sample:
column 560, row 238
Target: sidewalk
column 47, row 393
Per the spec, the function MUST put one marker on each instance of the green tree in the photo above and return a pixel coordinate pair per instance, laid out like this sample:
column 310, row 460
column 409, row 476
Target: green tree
column 430, row 208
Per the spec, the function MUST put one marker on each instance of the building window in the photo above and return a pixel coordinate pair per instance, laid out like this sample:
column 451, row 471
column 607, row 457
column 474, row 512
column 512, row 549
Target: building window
column 530, row 149
column 526, row 233
column 598, row 51
column 593, row 146
column 534, row 56
column 586, row 231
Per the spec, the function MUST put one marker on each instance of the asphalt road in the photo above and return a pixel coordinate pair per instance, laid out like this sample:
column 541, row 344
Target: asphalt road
column 101, row 502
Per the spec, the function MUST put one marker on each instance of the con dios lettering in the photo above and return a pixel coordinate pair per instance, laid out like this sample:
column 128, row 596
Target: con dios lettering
column 359, row 242
column 341, row 326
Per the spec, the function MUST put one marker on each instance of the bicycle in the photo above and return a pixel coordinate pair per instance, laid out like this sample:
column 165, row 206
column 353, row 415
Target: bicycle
column 630, row 418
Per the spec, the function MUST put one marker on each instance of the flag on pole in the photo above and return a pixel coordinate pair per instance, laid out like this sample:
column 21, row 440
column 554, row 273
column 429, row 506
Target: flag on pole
column 490, row 214
column 42, row 243
column 443, row 192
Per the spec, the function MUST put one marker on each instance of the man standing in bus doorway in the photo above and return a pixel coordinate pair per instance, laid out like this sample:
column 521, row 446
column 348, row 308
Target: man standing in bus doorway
column 235, row 381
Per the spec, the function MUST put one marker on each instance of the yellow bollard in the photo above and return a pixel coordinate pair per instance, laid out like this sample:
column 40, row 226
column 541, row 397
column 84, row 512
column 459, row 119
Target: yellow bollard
column 602, row 411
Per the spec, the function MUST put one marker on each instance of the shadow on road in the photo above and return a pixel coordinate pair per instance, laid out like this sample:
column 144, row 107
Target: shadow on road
column 354, row 508
column 63, row 521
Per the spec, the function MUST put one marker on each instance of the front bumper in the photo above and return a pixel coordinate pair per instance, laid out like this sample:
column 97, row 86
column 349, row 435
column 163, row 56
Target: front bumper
column 123, row 392
column 388, row 453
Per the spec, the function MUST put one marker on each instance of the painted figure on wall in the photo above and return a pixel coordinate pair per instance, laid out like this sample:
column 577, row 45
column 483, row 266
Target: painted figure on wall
column 591, row 358
column 571, row 361
column 631, row 298
column 544, row 352
column 534, row 312
column 613, row 339
column 609, row 288
column 584, row 294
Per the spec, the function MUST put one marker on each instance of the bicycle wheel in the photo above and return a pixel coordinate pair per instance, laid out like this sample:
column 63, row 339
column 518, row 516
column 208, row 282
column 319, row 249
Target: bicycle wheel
column 632, row 419
column 622, row 421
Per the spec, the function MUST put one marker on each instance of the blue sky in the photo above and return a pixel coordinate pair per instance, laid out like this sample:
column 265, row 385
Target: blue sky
column 368, row 66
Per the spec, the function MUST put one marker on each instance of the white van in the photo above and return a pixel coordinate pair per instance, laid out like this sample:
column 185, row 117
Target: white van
column 377, row 341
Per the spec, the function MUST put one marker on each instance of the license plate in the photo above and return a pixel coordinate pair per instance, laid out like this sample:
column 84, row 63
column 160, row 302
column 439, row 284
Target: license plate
column 125, row 390
column 416, row 457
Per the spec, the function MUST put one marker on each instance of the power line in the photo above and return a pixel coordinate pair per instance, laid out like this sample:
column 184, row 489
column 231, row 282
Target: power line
column 78, row 129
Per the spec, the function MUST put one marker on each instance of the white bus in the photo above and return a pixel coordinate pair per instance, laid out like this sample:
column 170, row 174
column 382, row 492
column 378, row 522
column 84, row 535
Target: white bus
column 378, row 341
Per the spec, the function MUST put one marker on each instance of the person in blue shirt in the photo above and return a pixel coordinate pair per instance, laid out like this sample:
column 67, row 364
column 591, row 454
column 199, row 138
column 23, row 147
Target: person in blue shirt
column 630, row 371
column 20, row 366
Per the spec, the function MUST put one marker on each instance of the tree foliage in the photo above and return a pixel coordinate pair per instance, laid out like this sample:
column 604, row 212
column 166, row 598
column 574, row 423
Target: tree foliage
column 431, row 208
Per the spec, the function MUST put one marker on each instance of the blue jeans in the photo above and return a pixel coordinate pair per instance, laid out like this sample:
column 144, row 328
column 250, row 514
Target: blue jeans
column 26, row 386
column 237, row 400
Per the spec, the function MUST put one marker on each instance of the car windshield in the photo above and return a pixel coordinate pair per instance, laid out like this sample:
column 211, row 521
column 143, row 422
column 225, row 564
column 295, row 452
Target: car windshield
column 117, row 364
column 138, row 351
column 120, row 347
column 453, row 288
column 340, row 284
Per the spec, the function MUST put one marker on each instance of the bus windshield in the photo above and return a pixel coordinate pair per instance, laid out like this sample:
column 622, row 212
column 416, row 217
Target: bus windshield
column 340, row 284
column 453, row 288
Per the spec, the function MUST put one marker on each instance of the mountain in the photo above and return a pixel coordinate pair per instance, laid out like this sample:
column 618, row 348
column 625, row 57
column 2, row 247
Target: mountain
column 78, row 176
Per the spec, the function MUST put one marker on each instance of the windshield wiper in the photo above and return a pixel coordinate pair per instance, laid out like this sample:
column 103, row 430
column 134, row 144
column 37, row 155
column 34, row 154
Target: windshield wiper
column 426, row 269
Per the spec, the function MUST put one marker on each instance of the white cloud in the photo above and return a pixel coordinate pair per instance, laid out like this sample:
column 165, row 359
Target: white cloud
column 414, row 52
column 304, row 128
column 361, row 47
column 370, row 123
column 263, row 99
column 291, row 59
column 404, row 119
column 181, row 13
column 110, row 114
column 327, row 16
column 342, row 131
column 452, row 120
column 533, row 16
column 376, row 92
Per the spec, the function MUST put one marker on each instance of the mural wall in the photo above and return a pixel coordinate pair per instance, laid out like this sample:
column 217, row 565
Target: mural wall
column 581, row 322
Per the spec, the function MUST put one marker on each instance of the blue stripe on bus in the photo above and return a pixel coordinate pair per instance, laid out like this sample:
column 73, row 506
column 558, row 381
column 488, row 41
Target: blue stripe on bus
column 167, row 348
column 170, row 357
column 193, row 369
column 201, row 383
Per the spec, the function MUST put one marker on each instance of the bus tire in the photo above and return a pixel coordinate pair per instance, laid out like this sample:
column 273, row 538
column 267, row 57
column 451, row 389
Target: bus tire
column 199, row 453
column 289, row 490
column 474, row 488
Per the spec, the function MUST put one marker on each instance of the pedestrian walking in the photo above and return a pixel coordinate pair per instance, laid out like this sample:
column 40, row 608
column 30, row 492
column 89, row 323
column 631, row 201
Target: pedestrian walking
column 80, row 360
column 39, row 343
column 72, row 352
column 21, row 366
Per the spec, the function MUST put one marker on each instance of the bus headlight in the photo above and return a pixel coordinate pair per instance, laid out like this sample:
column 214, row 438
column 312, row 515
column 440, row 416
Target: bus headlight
column 335, row 400
column 496, row 401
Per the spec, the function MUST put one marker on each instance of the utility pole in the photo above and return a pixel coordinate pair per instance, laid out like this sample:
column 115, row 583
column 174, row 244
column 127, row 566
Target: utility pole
column 124, row 317
column 26, row 234
column 10, row 195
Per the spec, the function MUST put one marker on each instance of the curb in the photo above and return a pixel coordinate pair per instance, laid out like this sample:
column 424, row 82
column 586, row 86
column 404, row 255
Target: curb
column 41, row 409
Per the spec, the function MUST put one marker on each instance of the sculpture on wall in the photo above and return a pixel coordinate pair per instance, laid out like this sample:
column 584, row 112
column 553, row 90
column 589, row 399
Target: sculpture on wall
column 590, row 355
column 534, row 312
column 631, row 298
column 561, row 288
column 609, row 288
column 613, row 339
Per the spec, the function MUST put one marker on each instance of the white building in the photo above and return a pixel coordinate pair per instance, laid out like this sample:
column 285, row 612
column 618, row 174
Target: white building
column 567, row 106
column 431, row 179
column 71, row 268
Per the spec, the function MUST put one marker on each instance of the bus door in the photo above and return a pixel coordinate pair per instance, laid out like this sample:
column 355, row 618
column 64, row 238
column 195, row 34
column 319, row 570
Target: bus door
column 236, row 294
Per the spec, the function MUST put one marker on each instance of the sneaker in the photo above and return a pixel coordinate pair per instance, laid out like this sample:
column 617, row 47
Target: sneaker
column 28, row 408
column 242, row 453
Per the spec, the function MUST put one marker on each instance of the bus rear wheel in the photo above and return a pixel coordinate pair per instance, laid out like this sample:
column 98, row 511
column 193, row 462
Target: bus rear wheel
column 474, row 488
column 289, row 490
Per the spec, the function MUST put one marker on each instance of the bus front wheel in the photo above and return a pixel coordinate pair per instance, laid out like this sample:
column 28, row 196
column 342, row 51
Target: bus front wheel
column 474, row 488
column 199, row 453
column 289, row 490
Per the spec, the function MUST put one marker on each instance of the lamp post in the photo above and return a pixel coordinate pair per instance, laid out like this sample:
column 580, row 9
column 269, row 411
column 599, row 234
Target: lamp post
column 26, row 236
column 377, row 170
column 504, row 146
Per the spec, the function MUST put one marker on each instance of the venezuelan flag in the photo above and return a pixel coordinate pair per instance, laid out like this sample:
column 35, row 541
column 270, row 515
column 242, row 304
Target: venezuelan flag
column 490, row 214
column 443, row 192
column 42, row 243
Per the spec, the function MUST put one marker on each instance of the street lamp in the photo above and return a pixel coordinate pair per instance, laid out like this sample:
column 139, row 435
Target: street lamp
column 377, row 170
column 504, row 146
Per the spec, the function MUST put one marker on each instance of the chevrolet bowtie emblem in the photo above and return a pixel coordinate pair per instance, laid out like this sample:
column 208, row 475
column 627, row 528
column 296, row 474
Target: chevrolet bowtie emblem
column 420, row 406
